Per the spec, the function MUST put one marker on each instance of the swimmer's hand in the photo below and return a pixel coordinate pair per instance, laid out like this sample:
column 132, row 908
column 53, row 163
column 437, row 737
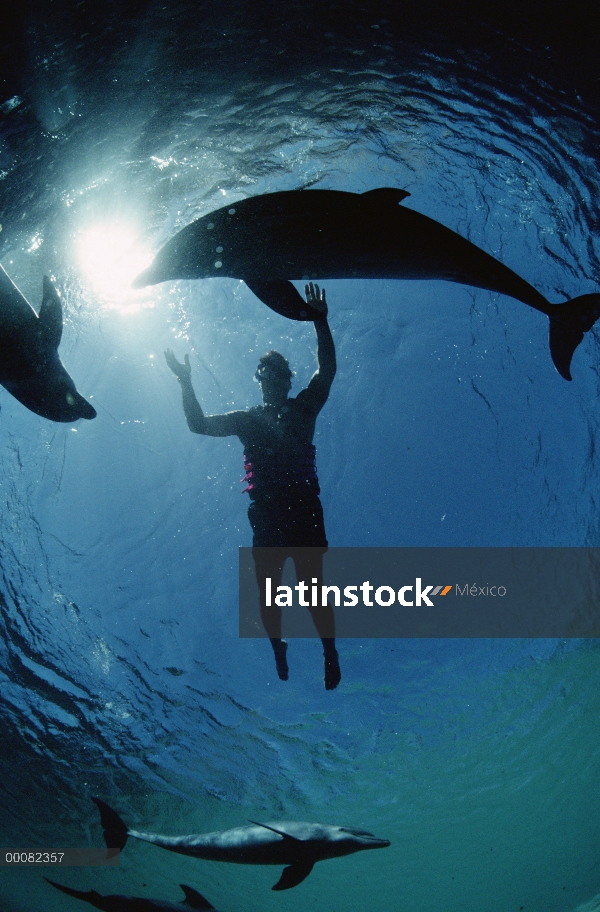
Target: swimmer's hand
column 183, row 372
column 316, row 299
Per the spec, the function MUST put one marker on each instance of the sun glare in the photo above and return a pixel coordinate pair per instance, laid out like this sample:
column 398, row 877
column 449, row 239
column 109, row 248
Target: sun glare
column 110, row 257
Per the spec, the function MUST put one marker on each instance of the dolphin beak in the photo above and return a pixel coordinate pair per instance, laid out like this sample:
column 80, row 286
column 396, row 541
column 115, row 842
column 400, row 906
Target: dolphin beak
column 80, row 408
column 87, row 411
column 375, row 843
column 144, row 278
column 367, row 840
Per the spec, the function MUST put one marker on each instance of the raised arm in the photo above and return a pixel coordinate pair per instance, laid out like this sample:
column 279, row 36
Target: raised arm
column 321, row 381
column 199, row 423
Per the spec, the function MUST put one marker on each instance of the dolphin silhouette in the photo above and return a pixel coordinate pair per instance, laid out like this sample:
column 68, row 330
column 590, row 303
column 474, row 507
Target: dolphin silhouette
column 117, row 903
column 30, row 368
column 329, row 234
column 292, row 843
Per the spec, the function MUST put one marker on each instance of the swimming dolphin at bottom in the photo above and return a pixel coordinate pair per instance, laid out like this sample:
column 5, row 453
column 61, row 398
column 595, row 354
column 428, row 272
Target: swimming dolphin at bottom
column 117, row 903
column 329, row 234
column 30, row 368
column 292, row 843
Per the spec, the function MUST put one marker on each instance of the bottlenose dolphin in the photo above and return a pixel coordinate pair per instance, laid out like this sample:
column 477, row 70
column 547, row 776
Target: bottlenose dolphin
column 30, row 368
column 329, row 234
column 297, row 845
column 117, row 903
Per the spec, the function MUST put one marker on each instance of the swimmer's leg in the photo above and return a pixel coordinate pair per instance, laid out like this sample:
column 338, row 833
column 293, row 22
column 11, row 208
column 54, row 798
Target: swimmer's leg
column 309, row 565
column 268, row 562
column 333, row 674
column 280, row 652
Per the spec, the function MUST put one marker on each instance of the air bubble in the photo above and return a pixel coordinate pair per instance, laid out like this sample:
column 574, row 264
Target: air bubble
column 210, row 226
column 218, row 264
column 231, row 211
column 219, row 250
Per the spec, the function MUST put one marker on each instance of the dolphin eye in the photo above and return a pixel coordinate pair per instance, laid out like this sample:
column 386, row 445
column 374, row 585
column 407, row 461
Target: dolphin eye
column 70, row 399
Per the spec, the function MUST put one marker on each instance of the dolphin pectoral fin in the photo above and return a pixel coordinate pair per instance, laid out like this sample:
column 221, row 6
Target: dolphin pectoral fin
column 50, row 316
column 390, row 196
column 195, row 900
column 115, row 831
column 274, row 830
column 283, row 298
column 293, row 875
column 568, row 324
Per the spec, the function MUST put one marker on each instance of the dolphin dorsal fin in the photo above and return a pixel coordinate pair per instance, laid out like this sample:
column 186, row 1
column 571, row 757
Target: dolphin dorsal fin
column 390, row 196
column 194, row 899
column 274, row 830
column 51, row 319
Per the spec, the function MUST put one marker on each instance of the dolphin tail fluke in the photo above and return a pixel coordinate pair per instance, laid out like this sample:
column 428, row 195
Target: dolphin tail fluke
column 568, row 324
column 90, row 896
column 293, row 875
column 115, row 831
column 283, row 298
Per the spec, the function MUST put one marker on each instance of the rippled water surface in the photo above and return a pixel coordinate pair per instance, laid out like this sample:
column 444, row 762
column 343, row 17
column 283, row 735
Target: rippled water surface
column 120, row 667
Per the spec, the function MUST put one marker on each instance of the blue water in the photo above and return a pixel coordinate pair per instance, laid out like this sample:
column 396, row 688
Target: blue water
column 120, row 667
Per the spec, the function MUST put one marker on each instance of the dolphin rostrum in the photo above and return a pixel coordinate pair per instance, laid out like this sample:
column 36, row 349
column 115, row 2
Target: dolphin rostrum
column 117, row 903
column 292, row 843
column 329, row 234
column 30, row 368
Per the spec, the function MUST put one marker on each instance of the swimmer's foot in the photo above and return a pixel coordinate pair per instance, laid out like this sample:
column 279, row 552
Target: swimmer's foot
column 280, row 650
column 333, row 675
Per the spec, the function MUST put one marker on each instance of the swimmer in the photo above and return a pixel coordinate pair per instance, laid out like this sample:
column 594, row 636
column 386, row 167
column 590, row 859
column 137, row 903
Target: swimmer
column 285, row 511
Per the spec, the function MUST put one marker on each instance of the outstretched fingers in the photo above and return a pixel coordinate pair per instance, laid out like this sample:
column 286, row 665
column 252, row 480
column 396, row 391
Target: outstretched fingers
column 181, row 371
column 315, row 297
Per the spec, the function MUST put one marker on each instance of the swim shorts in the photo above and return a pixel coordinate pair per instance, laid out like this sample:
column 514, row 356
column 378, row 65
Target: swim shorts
column 281, row 523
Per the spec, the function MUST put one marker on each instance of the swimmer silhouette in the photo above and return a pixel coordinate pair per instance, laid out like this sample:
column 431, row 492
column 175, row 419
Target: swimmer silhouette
column 30, row 368
column 279, row 457
column 330, row 234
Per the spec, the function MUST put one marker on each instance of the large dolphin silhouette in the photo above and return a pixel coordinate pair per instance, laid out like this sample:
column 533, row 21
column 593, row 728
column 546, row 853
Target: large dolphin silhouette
column 30, row 368
column 117, row 903
column 297, row 845
column 329, row 234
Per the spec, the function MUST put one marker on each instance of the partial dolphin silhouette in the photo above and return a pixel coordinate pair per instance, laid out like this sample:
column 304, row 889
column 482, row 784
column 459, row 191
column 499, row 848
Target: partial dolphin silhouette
column 329, row 234
column 117, row 903
column 30, row 368
column 297, row 845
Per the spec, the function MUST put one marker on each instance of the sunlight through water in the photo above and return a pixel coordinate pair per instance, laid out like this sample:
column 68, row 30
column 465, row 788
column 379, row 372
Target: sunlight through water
column 110, row 256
